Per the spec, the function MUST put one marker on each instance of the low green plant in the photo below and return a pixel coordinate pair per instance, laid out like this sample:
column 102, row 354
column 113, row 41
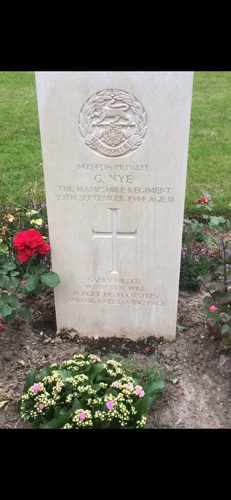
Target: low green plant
column 85, row 392
column 217, row 302
column 198, row 258
column 217, row 282
column 25, row 266
column 146, row 370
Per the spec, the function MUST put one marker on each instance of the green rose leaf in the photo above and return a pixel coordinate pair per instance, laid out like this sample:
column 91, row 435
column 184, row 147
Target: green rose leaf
column 13, row 281
column 31, row 283
column 11, row 316
column 24, row 312
column 13, row 301
column 225, row 329
column 50, row 279
column 4, row 281
column 10, row 266
column 5, row 310
column 4, row 248
column 3, row 270
column 14, row 273
column 38, row 268
column 3, row 298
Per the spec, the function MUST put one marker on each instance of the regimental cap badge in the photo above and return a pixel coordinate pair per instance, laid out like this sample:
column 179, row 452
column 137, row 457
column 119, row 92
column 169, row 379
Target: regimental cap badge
column 113, row 123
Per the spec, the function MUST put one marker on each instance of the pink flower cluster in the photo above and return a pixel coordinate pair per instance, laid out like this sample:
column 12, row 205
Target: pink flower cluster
column 139, row 392
column 82, row 415
column 36, row 387
column 110, row 405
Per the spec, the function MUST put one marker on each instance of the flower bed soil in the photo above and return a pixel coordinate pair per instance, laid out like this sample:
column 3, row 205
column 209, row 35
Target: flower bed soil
column 197, row 370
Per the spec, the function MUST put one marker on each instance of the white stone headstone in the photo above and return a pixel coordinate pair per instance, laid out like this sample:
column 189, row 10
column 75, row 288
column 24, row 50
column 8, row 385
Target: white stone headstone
column 115, row 148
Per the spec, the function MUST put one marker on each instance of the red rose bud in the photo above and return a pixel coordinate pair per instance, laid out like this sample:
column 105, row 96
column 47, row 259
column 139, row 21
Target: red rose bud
column 203, row 199
column 147, row 349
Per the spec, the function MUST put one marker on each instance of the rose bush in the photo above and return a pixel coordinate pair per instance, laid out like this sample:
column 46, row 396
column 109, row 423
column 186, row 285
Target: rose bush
column 23, row 273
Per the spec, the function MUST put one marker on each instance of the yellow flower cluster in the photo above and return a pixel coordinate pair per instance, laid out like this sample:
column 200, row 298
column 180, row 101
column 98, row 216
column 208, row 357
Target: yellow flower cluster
column 107, row 395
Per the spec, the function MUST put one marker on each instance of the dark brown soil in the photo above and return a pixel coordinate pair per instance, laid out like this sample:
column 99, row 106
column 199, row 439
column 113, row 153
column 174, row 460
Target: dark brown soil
column 196, row 368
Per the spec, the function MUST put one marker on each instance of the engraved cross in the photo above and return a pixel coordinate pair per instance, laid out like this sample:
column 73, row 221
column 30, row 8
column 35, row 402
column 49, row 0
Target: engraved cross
column 113, row 235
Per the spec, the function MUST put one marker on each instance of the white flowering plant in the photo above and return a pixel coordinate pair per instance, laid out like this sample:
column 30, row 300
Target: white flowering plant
column 85, row 392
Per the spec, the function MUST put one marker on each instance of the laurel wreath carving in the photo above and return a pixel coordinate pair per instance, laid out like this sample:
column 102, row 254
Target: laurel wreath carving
column 90, row 106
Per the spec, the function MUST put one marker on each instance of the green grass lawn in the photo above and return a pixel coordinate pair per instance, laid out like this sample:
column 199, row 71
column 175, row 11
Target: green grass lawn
column 209, row 164
column 21, row 173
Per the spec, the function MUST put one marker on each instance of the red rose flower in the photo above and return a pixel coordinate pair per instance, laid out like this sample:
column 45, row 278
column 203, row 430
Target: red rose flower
column 203, row 200
column 28, row 243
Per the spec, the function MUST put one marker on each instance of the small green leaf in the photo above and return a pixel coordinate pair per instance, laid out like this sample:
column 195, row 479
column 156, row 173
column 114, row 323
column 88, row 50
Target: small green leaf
column 3, row 270
column 76, row 406
column 153, row 387
column 50, row 279
column 174, row 380
column 45, row 371
column 143, row 404
column 11, row 316
column 4, row 281
column 38, row 268
column 13, row 301
column 5, row 310
column 30, row 380
column 181, row 328
column 96, row 372
column 225, row 329
column 65, row 373
column 31, row 283
column 3, row 298
column 4, row 248
column 31, row 212
column 36, row 222
column 10, row 266
column 24, row 312
column 13, row 281
column 56, row 423
column 14, row 273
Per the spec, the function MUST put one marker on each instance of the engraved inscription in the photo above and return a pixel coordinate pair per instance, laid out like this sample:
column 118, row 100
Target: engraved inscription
column 122, row 193
column 117, row 291
column 113, row 235
column 113, row 122
column 129, row 167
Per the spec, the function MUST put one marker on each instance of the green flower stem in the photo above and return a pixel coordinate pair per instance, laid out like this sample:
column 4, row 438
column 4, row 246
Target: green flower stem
column 225, row 266
column 207, row 289
column 15, row 290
